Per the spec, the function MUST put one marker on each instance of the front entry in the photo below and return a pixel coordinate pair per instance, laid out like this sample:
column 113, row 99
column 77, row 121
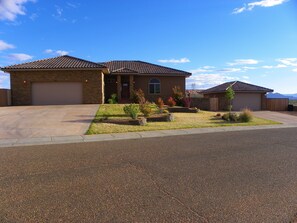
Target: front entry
column 125, row 94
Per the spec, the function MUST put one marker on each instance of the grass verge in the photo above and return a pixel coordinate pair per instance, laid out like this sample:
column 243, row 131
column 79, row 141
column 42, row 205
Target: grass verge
column 202, row 119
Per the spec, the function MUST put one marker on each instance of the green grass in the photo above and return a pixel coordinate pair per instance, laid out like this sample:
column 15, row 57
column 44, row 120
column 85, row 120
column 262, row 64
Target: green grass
column 202, row 119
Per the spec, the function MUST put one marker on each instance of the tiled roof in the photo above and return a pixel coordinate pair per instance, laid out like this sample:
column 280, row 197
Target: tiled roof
column 237, row 86
column 61, row 62
column 141, row 67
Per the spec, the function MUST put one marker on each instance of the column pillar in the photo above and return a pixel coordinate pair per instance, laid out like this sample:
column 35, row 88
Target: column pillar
column 119, row 88
column 131, row 84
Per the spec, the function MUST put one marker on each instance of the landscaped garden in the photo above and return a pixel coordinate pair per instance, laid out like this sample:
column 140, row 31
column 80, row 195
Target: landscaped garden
column 143, row 115
column 111, row 118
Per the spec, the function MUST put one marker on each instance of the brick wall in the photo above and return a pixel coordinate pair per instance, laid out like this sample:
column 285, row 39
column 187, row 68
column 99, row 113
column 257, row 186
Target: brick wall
column 5, row 99
column 93, row 89
column 167, row 83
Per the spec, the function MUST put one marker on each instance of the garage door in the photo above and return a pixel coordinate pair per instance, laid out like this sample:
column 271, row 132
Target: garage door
column 57, row 93
column 245, row 100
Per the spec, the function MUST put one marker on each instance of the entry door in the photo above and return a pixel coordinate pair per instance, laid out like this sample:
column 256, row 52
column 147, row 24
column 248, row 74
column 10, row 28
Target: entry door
column 57, row 93
column 125, row 90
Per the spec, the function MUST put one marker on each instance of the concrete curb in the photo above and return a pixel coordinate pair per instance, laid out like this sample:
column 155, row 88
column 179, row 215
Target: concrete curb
column 130, row 135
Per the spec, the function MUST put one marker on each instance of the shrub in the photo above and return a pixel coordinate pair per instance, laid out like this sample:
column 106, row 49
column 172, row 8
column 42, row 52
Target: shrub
column 178, row 95
column 146, row 109
column 160, row 103
column 171, row 102
column 246, row 115
column 218, row 115
column 187, row 102
column 113, row 99
column 132, row 110
column 138, row 96
column 230, row 117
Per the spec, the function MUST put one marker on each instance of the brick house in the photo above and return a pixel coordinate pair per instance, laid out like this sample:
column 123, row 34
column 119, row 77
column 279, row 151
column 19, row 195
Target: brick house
column 70, row 80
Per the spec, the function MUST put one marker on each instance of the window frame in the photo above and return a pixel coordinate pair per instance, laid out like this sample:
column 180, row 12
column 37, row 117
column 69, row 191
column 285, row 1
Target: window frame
column 154, row 86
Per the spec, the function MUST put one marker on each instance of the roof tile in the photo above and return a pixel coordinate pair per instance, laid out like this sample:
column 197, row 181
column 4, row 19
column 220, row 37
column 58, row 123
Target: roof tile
column 61, row 62
column 140, row 67
column 237, row 86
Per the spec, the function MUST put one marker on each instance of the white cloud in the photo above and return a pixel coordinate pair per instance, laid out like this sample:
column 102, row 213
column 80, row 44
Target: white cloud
column 19, row 56
column 246, row 77
column 230, row 70
column 62, row 52
column 288, row 61
column 5, row 46
column 209, row 80
column 263, row 3
column 182, row 60
column 249, row 68
column 56, row 52
column 244, row 62
column 73, row 5
column 267, row 67
column 294, row 70
column 48, row 51
column 204, row 69
column 59, row 14
column 10, row 9
column 274, row 67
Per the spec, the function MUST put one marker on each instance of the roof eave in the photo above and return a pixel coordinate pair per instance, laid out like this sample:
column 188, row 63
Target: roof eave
column 104, row 70
column 153, row 74
column 220, row 92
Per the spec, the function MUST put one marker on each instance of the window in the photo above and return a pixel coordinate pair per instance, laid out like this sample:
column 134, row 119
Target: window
column 154, row 86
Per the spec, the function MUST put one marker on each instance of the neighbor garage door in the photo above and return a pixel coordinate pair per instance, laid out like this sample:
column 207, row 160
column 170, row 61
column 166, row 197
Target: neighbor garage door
column 247, row 100
column 57, row 93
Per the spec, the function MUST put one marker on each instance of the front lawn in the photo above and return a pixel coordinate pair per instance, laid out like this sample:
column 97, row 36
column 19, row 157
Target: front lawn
column 103, row 122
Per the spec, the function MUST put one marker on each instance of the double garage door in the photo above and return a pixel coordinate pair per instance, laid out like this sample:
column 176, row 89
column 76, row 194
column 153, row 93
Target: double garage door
column 57, row 93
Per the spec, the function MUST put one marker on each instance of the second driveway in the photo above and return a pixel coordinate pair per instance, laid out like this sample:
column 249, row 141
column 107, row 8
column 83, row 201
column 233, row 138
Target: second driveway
column 45, row 121
column 287, row 118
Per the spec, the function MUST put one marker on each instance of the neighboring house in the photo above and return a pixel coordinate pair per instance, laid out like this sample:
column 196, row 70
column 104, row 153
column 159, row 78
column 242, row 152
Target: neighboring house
column 246, row 95
column 70, row 80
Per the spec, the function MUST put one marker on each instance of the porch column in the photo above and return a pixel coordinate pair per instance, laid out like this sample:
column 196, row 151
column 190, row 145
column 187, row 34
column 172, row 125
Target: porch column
column 131, row 84
column 119, row 88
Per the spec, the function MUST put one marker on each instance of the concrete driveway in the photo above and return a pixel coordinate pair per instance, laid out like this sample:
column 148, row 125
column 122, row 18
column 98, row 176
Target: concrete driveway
column 44, row 121
column 282, row 117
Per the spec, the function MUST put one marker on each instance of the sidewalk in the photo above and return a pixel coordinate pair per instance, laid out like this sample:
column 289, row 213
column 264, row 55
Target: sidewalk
column 130, row 135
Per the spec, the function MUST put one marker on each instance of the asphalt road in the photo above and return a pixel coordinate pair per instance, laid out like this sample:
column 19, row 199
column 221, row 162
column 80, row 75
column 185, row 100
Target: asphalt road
column 246, row 176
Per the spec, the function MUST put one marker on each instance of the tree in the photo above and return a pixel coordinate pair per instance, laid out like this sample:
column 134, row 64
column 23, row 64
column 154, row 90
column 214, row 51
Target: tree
column 230, row 94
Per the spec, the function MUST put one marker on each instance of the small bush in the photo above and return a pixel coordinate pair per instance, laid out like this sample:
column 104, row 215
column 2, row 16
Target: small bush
column 146, row 109
column 138, row 96
column 171, row 102
column 113, row 99
column 178, row 95
column 187, row 102
column 230, row 117
column 160, row 103
column 218, row 115
column 132, row 110
column 246, row 115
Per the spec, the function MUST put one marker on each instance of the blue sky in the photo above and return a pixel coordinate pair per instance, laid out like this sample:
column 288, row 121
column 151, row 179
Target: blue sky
column 249, row 40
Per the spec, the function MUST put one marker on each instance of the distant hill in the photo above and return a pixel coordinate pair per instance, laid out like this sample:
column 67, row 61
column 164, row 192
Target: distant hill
column 291, row 96
column 278, row 95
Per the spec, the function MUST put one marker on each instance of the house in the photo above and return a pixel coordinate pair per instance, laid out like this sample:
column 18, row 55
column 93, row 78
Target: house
column 70, row 80
column 246, row 96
